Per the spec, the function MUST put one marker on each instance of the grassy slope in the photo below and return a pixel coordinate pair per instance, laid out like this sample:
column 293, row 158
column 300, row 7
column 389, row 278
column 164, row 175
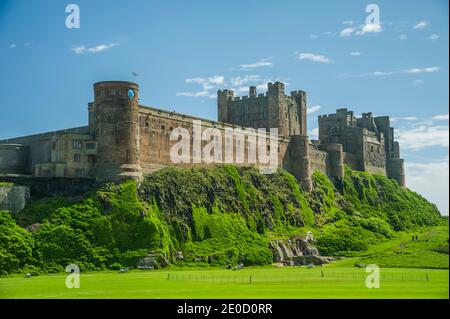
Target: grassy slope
column 266, row 283
column 223, row 215
column 429, row 251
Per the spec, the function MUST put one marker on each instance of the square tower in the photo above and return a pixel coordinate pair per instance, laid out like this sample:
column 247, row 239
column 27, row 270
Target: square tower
column 274, row 109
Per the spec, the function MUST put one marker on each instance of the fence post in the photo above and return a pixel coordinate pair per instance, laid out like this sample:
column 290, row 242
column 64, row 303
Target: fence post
column 168, row 276
column 428, row 279
column 250, row 279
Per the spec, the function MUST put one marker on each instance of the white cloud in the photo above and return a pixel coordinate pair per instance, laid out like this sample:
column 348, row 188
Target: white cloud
column 431, row 181
column 314, row 58
column 355, row 53
column 243, row 80
column 96, row 49
column 258, row 64
column 422, row 70
column 434, row 37
column 422, row 136
column 207, row 84
column 348, row 22
column 12, row 46
column 420, row 25
column 412, row 71
column 403, row 37
column 381, row 73
column 197, row 94
column 314, row 133
column 443, row 117
column 216, row 79
column 361, row 29
column 313, row 36
column 79, row 50
column 346, row 32
column 369, row 28
column 101, row 47
column 313, row 109
column 418, row 82
column 195, row 80
column 239, row 84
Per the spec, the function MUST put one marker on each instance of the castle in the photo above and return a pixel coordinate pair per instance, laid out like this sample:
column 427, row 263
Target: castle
column 124, row 139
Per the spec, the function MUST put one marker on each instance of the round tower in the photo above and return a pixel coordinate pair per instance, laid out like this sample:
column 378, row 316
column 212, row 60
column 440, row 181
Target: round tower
column 396, row 170
column 299, row 162
column 116, row 129
column 335, row 167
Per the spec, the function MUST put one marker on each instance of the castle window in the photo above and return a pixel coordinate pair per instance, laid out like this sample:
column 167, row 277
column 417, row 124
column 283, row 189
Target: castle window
column 77, row 144
column 146, row 123
column 268, row 148
column 76, row 157
column 90, row 146
column 47, row 173
column 162, row 127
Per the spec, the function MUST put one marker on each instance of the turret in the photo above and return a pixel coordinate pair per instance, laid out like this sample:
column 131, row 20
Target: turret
column 276, row 107
column 300, row 100
column 224, row 97
column 297, row 161
column 396, row 170
column 116, row 127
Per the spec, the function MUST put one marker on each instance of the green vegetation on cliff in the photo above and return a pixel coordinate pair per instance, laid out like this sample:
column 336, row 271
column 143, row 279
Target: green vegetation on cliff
column 218, row 216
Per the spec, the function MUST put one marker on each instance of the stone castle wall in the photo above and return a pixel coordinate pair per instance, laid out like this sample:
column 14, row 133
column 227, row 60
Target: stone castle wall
column 125, row 139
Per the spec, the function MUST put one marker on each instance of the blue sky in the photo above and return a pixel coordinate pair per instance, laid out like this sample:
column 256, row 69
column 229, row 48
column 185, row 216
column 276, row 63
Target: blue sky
column 184, row 51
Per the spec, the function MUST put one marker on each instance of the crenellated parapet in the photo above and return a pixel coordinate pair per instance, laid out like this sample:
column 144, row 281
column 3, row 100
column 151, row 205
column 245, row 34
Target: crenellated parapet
column 272, row 109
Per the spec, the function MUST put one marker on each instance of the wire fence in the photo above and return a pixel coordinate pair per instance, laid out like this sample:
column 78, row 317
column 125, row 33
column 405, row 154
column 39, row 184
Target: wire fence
column 301, row 276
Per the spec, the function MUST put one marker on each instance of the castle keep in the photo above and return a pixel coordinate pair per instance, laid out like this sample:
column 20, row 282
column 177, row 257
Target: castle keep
column 125, row 139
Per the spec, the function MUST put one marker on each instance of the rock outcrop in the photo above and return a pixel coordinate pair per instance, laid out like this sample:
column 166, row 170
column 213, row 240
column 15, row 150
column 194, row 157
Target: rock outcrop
column 298, row 250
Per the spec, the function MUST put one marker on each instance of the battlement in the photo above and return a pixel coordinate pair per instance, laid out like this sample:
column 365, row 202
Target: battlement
column 253, row 94
column 340, row 113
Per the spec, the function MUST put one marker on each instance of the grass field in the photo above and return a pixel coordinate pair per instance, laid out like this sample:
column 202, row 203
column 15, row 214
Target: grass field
column 287, row 282
column 429, row 251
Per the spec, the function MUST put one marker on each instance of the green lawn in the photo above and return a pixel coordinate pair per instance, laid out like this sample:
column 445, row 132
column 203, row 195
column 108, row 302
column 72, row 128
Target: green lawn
column 430, row 250
column 287, row 282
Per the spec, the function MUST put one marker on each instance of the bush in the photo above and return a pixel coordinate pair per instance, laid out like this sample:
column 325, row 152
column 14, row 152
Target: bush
column 15, row 244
